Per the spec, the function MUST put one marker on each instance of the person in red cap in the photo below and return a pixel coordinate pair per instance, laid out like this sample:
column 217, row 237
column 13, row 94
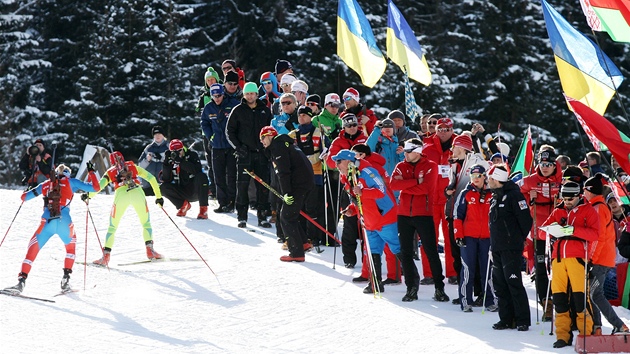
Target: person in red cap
column 462, row 160
column 124, row 176
column 366, row 117
column 437, row 148
column 296, row 180
column 184, row 180
column 541, row 190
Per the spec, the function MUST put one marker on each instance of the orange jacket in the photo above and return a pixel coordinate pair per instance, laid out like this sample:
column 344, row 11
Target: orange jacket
column 585, row 222
column 604, row 252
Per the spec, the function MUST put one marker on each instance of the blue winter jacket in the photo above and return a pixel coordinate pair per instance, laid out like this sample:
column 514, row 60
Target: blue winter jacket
column 386, row 148
column 214, row 120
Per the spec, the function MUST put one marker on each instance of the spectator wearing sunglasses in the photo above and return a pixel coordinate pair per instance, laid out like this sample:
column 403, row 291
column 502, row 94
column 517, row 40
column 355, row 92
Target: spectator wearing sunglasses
column 268, row 90
column 366, row 117
column 232, row 89
column 230, row 65
column 438, row 149
column 314, row 103
column 285, row 87
column 429, row 124
column 576, row 227
column 287, row 120
column 350, row 136
column 328, row 120
column 541, row 190
column 210, row 77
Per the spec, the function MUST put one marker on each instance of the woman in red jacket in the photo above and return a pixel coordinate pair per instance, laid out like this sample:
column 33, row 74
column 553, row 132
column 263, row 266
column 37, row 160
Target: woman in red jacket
column 472, row 235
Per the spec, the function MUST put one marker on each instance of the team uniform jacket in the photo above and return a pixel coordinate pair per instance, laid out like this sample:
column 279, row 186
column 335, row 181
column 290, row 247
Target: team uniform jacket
column 311, row 141
column 361, row 111
column 433, row 151
column 605, row 252
column 585, row 222
column 344, row 141
column 293, row 168
column 510, row 220
column 472, row 210
column 378, row 202
column 548, row 189
column 416, row 199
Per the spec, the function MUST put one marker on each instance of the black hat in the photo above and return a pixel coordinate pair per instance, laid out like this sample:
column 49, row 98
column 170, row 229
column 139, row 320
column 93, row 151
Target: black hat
column 314, row 98
column 305, row 110
column 573, row 173
column 595, row 184
column 547, row 156
column 39, row 141
column 157, row 130
column 570, row 189
column 388, row 123
column 232, row 62
column 282, row 66
column 231, row 76
column 349, row 119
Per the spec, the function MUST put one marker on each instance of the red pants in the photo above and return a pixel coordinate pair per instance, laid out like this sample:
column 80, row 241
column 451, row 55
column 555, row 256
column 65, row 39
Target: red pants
column 34, row 247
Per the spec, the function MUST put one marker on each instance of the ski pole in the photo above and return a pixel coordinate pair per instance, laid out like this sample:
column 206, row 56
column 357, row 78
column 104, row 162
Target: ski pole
column 485, row 285
column 190, row 243
column 375, row 288
column 85, row 252
column 11, row 224
column 95, row 232
column 275, row 192
column 586, row 304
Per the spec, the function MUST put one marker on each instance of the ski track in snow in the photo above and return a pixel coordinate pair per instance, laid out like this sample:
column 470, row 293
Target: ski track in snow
column 258, row 303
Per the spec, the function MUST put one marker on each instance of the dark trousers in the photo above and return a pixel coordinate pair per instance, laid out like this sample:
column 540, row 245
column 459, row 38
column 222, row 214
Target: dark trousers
column 349, row 237
column 331, row 186
column 314, row 207
column 256, row 162
column 474, row 265
column 540, row 269
column 195, row 190
column 207, row 147
column 224, row 166
column 506, row 277
column 290, row 220
column 424, row 226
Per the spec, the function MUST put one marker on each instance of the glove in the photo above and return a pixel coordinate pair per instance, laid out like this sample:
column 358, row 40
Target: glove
column 157, row 156
column 324, row 154
column 460, row 242
column 90, row 166
column 567, row 230
column 379, row 123
column 160, row 202
column 288, row 199
column 241, row 152
column 85, row 197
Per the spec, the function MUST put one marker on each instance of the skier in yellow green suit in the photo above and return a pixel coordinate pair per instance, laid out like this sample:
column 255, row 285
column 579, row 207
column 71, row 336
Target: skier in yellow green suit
column 124, row 176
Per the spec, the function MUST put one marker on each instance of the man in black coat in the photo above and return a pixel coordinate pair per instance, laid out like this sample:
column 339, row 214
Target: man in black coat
column 296, row 179
column 244, row 123
column 510, row 222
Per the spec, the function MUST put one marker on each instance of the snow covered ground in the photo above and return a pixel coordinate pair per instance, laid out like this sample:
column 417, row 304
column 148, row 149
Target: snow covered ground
column 257, row 304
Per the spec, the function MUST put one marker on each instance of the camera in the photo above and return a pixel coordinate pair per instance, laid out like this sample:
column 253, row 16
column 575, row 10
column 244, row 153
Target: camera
column 33, row 150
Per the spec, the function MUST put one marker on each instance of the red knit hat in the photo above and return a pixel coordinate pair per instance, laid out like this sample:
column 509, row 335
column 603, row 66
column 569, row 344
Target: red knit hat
column 463, row 141
column 352, row 92
column 268, row 131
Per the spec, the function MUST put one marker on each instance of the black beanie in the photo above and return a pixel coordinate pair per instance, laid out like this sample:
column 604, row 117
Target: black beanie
column 282, row 66
column 305, row 110
column 231, row 76
column 157, row 130
column 314, row 98
column 573, row 173
column 570, row 189
column 595, row 184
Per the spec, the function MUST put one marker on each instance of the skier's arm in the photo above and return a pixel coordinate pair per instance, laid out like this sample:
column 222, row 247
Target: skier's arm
column 147, row 176
column 78, row 185
column 34, row 192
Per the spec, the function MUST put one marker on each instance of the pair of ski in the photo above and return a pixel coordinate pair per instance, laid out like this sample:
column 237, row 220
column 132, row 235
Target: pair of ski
column 14, row 294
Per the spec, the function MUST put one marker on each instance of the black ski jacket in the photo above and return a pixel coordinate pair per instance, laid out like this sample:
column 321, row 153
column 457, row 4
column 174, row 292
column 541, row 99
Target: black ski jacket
column 294, row 170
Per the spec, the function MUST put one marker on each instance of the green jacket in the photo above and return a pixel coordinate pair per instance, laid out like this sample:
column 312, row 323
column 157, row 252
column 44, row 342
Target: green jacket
column 330, row 124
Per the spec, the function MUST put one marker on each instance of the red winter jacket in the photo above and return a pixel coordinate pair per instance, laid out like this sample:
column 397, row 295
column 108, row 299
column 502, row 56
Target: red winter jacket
column 585, row 222
column 548, row 189
column 344, row 141
column 433, row 150
column 415, row 199
column 378, row 162
column 471, row 216
column 361, row 111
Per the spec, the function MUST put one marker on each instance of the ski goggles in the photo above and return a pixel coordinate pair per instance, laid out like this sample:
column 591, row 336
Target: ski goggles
column 266, row 82
column 547, row 164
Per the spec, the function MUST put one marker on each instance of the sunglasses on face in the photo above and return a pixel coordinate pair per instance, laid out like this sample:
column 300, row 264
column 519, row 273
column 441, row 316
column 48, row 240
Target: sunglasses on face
column 298, row 92
column 266, row 82
column 409, row 151
column 285, row 85
column 444, row 130
column 334, row 105
column 347, row 98
column 313, row 104
column 477, row 175
column 547, row 164
column 286, row 103
column 569, row 199
column 226, row 68
column 351, row 125
column 433, row 122
column 231, row 83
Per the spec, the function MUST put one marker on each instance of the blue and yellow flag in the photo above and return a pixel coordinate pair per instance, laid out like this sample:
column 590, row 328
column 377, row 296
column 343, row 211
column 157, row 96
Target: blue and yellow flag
column 403, row 47
column 356, row 44
column 586, row 73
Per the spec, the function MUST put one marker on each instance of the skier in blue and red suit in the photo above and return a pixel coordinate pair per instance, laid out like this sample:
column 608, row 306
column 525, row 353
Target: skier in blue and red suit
column 378, row 208
column 55, row 220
